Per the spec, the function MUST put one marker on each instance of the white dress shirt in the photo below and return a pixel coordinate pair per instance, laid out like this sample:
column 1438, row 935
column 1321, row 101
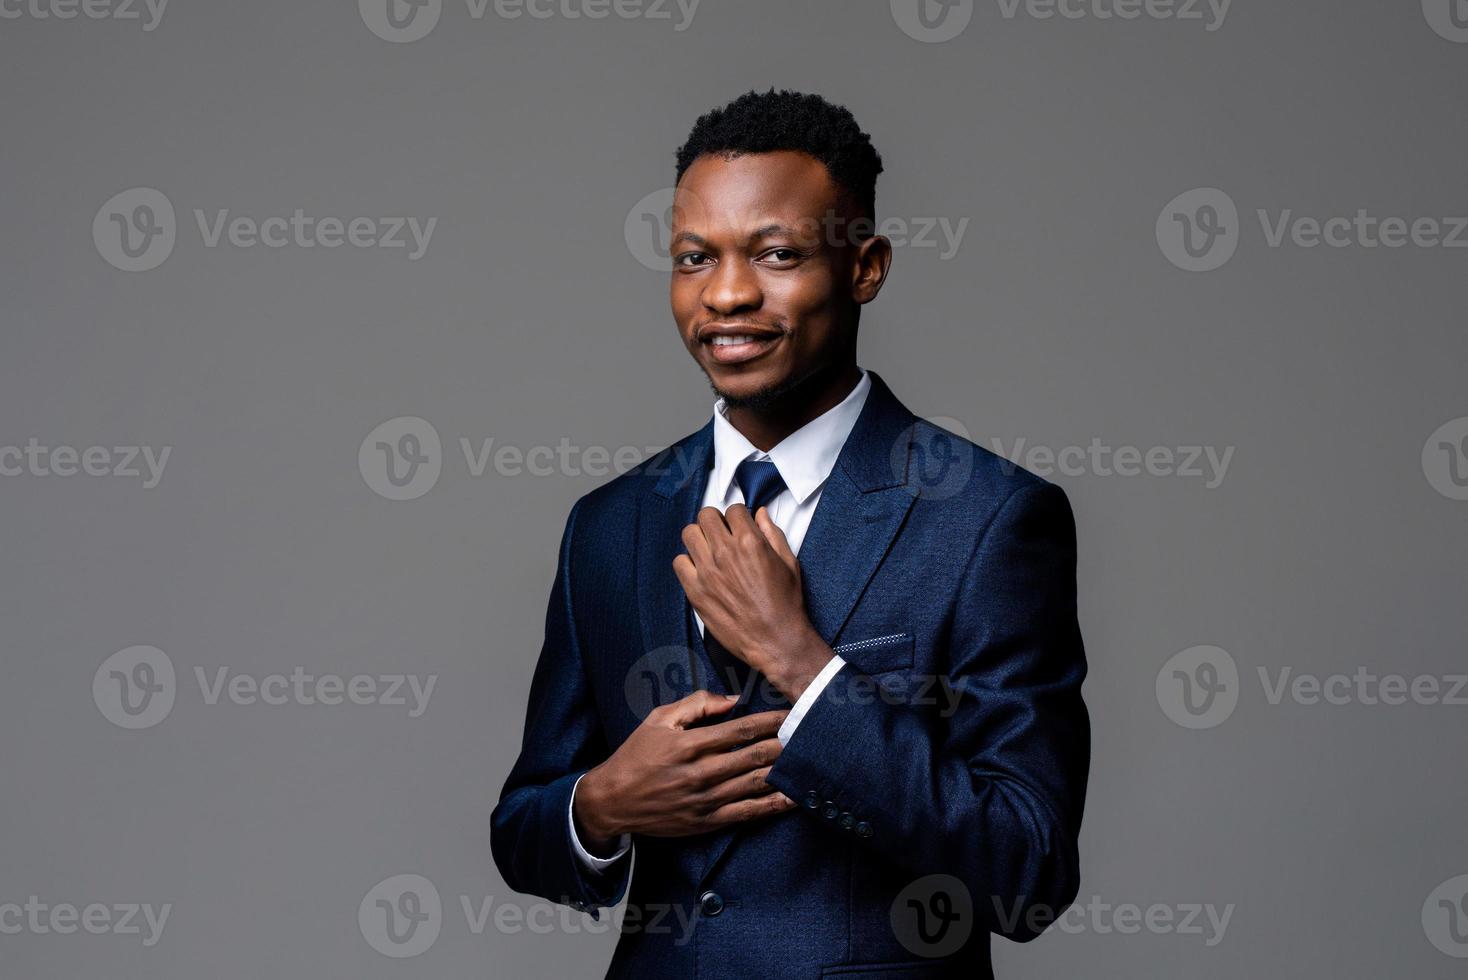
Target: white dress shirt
column 805, row 459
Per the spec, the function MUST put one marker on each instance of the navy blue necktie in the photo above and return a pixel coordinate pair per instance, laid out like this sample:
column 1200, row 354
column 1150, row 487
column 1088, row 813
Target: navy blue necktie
column 760, row 482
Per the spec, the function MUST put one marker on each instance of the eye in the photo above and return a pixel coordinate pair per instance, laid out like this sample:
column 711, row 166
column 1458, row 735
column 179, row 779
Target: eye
column 782, row 254
column 691, row 259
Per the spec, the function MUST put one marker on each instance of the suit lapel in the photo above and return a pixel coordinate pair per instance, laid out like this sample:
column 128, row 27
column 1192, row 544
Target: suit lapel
column 662, row 514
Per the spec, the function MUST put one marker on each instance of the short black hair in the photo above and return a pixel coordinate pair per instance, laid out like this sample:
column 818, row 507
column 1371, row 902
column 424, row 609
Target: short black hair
column 766, row 122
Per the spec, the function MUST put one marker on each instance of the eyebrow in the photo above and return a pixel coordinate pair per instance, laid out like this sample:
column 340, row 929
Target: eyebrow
column 699, row 240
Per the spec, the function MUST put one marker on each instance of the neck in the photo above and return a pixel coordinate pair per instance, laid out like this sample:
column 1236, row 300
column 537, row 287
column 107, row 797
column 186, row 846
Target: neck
column 767, row 426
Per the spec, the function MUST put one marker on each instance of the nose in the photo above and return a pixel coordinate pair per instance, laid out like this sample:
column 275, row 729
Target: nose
column 732, row 288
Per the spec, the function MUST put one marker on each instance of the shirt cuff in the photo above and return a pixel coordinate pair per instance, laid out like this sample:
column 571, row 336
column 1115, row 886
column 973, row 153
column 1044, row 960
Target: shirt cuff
column 807, row 698
column 583, row 855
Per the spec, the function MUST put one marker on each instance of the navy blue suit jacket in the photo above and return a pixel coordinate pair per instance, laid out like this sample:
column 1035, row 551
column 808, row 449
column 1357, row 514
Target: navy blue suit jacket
column 941, row 773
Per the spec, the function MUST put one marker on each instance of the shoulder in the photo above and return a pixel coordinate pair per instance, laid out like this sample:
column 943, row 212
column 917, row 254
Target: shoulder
column 970, row 488
column 615, row 502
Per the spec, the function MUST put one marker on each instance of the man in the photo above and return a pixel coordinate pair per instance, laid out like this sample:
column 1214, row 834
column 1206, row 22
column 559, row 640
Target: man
column 874, row 749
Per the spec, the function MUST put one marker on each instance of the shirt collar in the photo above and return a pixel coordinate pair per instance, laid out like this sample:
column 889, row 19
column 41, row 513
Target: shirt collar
column 804, row 458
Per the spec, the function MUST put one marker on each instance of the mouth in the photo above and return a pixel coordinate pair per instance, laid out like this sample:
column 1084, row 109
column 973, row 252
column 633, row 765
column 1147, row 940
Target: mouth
column 737, row 344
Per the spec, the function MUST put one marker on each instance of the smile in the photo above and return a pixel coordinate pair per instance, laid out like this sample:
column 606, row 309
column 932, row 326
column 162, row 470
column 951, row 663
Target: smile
column 739, row 348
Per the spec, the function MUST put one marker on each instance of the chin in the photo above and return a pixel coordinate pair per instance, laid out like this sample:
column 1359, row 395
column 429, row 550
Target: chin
column 751, row 392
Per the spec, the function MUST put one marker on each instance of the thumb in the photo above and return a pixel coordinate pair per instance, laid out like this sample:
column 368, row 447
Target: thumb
column 696, row 706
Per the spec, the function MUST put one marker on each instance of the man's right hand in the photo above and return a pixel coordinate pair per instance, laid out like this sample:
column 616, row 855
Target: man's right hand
column 669, row 779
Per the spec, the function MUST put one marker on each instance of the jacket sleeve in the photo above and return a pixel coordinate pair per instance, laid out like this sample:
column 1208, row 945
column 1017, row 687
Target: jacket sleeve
column 530, row 833
column 992, row 794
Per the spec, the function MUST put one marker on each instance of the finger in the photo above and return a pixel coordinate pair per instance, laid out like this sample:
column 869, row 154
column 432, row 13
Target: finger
column 720, row 767
column 695, row 707
column 776, row 537
column 714, row 528
column 745, row 786
column 739, row 520
column 740, row 731
column 744, row 810
column 687, row 574
column 697, row 544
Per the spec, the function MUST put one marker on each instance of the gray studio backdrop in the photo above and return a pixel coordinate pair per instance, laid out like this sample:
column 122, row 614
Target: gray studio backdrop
column 317, row 317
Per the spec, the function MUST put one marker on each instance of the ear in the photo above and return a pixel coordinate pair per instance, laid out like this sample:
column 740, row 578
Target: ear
column 873, row 259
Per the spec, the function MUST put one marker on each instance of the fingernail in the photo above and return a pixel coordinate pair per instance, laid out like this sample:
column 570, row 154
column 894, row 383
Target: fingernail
column 731, row 697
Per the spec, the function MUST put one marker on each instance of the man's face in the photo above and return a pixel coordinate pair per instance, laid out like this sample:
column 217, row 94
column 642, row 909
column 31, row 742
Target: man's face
column 762, row 286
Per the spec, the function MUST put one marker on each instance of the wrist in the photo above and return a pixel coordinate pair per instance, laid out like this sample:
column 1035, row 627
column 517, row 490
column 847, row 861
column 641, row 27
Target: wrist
column 597, row 832
column 800, row 662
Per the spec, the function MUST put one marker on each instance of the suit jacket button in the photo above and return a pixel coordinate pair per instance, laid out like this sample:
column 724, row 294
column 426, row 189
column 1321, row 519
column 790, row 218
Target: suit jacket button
column 830, row 810
column 847, row 821
column 711, row 903
column 863, row 829
column 811, row 800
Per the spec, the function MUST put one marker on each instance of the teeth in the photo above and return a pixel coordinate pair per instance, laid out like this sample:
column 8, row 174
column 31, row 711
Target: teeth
column 721, row 341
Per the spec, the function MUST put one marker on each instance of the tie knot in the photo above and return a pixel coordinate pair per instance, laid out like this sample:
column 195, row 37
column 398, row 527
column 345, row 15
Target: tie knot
column 760, row 482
